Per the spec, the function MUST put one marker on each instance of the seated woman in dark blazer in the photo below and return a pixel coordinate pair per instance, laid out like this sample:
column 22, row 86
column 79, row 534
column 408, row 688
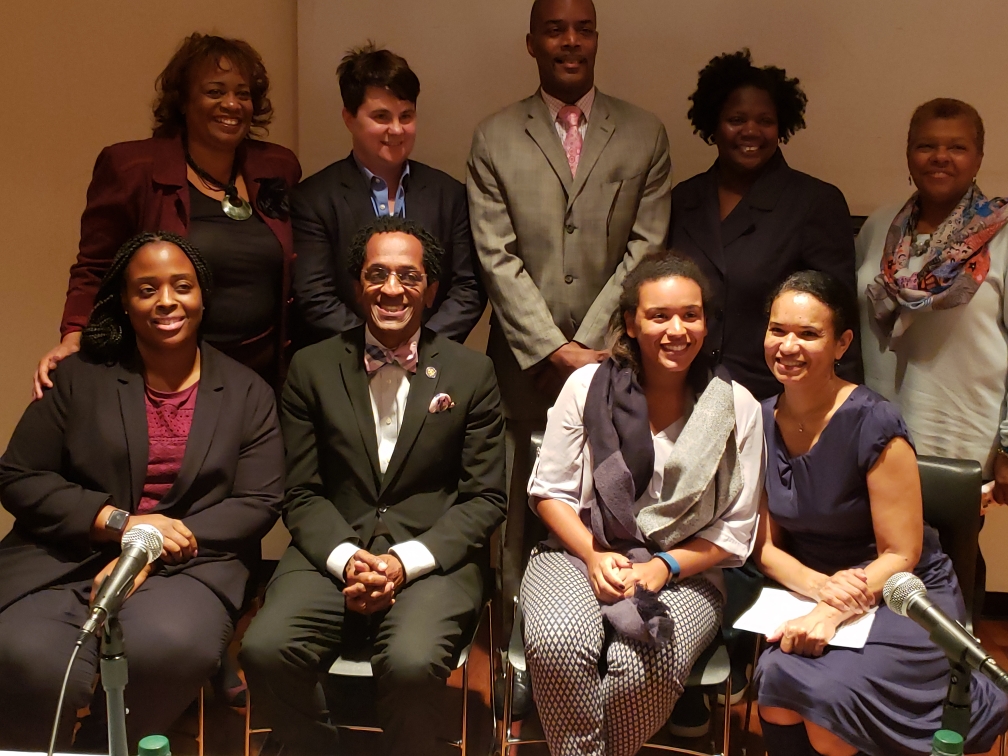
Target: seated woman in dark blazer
column 749, row 221
column 148, row 424
column 202, row 176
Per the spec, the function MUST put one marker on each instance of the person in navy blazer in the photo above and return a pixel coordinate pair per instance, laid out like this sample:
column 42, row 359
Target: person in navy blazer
column 85, row 465
column 377, row 178
column 751, row 220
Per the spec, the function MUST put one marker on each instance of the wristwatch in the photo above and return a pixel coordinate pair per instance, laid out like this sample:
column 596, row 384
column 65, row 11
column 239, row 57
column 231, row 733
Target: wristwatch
column 116, row 521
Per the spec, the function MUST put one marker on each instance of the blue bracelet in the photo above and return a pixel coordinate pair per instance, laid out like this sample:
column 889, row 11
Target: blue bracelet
column 673, row 565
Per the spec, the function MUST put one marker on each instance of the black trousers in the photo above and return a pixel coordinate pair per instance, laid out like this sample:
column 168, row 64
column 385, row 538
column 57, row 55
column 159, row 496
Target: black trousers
column 302, row 628
column 174, row 630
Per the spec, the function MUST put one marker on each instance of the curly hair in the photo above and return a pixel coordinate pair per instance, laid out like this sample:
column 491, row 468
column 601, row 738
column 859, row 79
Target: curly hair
column 368, row 66
column 731, row 71
column 108, row 335
column 944, row 108
column 654, row 267
column 175, row 81
column 839, row 300
column 388, row 224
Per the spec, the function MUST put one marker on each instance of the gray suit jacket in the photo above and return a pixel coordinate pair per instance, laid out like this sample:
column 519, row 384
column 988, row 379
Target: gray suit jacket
column 555, row 248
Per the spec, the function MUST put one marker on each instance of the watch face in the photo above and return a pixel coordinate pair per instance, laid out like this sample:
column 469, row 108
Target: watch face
column 117, row 520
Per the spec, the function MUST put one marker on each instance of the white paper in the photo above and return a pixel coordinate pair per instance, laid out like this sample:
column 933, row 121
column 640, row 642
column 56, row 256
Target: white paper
column 775, row 606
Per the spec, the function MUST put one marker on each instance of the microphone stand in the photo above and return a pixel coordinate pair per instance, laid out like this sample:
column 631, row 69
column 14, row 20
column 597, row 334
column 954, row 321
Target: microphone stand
column 956, row 709
column 114, row 677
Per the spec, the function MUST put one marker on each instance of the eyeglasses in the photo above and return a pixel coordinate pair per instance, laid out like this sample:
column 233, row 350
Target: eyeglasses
column 409, row 279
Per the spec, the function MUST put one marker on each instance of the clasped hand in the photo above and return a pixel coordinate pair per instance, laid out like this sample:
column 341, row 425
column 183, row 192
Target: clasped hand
column 613, row 577
column 847, row 591
column 371, row 581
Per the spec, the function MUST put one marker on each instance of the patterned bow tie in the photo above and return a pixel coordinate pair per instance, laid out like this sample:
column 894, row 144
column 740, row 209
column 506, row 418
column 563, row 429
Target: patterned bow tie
column 404, row 355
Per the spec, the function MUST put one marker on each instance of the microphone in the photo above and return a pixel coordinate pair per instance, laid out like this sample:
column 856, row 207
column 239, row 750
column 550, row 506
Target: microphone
column 905, row 594
column 141, row 545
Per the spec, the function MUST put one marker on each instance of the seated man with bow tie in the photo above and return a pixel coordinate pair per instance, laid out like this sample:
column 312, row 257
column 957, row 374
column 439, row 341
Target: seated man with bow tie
column 394, row 438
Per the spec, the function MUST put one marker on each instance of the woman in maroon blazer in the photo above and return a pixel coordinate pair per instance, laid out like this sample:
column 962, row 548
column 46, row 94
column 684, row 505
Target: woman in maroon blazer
column 146, row 425
column 201, row 176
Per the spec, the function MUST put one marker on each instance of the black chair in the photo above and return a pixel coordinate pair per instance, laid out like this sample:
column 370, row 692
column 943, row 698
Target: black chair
column 951, row 493
column 712, row 668
column 950, row 489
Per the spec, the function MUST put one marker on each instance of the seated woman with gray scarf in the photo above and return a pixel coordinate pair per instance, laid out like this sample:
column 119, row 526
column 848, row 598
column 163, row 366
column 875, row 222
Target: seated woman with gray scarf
column 649, row 481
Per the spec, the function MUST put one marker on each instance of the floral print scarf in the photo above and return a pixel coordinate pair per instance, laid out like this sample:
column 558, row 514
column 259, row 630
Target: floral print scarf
column 943, row 271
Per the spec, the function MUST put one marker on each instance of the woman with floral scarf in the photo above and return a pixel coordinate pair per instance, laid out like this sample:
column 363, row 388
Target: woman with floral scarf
column 933, row 273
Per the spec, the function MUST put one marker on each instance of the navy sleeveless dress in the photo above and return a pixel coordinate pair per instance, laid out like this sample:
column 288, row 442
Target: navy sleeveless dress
column 886, row 698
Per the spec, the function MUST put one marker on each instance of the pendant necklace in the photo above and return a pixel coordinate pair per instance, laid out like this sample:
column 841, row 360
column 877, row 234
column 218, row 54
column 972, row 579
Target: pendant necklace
column 233, row 205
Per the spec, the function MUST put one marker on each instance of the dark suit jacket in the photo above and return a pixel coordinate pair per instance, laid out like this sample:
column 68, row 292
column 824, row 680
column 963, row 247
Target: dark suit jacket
column 142, row 186
column 329, row 207
column 444, row 485
column 789, row 221
column 85, row 444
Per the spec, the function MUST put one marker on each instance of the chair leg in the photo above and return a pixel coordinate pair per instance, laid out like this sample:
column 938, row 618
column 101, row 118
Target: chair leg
column 465, row 708
column 199, row 736
column 248, row 721
column 506, row 724
column 726, row 738
column 1004, row 737
column 491, row 653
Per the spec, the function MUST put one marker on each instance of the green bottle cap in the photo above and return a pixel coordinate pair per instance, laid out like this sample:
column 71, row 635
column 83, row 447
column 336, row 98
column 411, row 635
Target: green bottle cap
column 157, row 745
column 947, row 743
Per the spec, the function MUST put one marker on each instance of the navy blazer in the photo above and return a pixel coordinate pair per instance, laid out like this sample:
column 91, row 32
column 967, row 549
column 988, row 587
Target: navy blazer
column 84, row 444
column 327, row 210
column 788, row 221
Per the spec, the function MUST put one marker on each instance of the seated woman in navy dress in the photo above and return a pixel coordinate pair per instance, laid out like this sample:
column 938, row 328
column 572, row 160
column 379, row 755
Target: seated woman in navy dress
column 146, row 425
column 843, row 514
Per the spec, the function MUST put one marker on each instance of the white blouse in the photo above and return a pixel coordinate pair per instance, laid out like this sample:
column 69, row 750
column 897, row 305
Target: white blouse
column 563, row 468
column 949, row 373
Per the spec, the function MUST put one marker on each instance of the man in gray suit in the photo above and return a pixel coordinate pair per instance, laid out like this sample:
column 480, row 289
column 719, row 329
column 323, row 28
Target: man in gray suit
column 568, row 189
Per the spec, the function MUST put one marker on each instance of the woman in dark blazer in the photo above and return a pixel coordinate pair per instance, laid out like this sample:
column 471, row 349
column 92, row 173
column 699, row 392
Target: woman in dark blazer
column 147, row 424
column 749, row 221
column 201, row 176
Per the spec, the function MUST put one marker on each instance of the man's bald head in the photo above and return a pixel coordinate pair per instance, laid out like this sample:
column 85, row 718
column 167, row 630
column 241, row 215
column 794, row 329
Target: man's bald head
column 563, row 40
column 541, row 10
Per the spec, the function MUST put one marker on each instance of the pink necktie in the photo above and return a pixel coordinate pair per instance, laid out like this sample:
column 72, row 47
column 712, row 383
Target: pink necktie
column 570, row 118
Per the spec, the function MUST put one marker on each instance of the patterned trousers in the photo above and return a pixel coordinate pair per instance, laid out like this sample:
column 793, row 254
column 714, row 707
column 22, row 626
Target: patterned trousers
column 599, row 693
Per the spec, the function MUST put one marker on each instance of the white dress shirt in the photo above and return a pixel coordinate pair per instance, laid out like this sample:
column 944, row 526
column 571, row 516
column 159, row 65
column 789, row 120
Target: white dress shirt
column 389, row 389
column 554, row 105
column 563, row 469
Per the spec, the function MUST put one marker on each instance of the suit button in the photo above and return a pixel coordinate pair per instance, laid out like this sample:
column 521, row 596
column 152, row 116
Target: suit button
column 382, row 510
column 569, row 228
column 293, row 255
column 287, row 343
column 290, row 300
column 569, row 279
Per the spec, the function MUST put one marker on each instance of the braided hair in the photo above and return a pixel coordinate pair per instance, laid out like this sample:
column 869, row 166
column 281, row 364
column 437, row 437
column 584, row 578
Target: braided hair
column 108, row 335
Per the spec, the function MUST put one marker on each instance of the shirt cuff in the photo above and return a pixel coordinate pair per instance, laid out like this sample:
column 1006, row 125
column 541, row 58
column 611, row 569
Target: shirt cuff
column 416, row 558
column 337, row 561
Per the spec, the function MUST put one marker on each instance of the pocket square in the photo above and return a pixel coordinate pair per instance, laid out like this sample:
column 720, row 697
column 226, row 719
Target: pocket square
column 440, row 403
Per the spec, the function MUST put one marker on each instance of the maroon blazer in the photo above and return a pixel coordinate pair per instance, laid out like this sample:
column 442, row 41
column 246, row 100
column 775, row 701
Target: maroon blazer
column 142, row 186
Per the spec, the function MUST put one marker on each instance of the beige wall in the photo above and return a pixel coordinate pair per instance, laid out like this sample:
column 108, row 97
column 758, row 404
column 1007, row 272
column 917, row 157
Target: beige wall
column 76, row 77
column 864, row 64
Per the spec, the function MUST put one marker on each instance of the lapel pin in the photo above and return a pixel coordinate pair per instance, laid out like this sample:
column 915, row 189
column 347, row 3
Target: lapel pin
column 431, row 372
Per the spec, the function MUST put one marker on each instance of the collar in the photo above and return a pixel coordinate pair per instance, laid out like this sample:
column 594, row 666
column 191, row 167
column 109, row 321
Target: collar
column 554, row 105
column 369, row 338
column 371, row 177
